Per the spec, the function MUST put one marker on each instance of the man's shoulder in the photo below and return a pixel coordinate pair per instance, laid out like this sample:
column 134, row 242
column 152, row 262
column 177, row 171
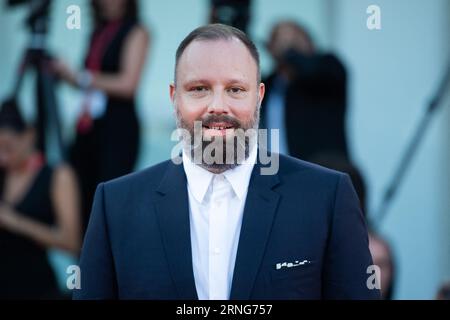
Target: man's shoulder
column 149, row 177
column 289, row 169
column 293, row 167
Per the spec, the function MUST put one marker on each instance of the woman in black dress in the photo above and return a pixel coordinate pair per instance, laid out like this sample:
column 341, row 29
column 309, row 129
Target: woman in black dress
column 107, row 140
column 38, row 211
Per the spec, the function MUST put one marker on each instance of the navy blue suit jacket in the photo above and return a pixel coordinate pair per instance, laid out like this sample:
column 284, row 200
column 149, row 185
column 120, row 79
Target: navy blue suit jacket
column 137, row 245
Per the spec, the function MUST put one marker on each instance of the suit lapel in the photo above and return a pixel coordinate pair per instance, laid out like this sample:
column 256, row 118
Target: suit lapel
column 260, row 208
column 172, row 209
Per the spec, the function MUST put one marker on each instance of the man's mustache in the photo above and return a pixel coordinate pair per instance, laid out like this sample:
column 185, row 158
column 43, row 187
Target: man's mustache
column 211, row 119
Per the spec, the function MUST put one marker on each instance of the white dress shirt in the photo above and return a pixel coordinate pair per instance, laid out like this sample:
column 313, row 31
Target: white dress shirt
column 216, row 207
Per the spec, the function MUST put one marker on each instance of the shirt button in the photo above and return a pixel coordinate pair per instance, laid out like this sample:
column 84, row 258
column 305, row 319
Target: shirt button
column 218, row 203
column 216, row 250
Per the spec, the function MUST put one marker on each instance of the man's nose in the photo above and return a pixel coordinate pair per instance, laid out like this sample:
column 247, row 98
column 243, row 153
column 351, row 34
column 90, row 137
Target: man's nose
column 218, row 104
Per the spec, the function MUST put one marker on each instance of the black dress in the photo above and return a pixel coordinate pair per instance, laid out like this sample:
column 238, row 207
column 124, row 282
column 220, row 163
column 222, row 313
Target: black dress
column 110, row 148
column 25, row 272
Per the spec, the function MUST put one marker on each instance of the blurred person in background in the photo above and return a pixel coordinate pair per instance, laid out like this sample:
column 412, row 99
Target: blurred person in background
column 107, row 133
column 380, row 249
column 39, row 210
column 382, row 257
column 444, row 292
column 235, row 13
column 306, row 95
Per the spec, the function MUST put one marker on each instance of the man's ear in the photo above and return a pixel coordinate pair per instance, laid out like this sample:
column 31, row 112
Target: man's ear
column 172, row 93
column 261, row 91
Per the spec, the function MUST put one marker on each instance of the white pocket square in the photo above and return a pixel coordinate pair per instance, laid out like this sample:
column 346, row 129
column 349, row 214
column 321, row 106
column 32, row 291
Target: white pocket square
column 294, row 264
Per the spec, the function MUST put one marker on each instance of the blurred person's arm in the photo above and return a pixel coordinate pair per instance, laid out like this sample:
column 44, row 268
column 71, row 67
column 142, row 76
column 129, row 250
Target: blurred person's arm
column 124, row 83
column 65, row 234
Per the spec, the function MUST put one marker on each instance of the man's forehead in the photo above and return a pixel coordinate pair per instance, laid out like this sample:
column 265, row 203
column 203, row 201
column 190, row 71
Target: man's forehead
column 203, row 58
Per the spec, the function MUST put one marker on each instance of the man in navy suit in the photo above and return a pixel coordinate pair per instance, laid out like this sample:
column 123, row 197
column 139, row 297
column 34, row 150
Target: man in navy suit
column 220, row 221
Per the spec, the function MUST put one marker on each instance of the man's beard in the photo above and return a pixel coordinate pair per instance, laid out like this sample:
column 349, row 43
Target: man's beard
column 221, row 153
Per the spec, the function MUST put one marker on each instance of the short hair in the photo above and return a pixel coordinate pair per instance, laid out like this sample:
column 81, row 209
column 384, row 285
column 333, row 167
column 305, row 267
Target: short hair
column 11, row 118
column 217, row 31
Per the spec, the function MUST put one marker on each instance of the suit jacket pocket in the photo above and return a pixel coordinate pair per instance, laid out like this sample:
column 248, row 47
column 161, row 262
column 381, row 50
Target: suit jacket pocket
column 301, row 282
column 292, row 273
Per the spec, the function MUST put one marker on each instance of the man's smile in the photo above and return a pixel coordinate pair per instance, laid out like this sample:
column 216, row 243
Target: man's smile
column 217, row 129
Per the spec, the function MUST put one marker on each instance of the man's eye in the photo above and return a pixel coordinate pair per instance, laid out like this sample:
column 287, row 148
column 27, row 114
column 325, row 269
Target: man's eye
column 199, row 89
column 235, row 90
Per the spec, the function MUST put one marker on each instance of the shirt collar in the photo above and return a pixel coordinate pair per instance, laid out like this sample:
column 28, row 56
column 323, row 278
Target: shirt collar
column 199, row 179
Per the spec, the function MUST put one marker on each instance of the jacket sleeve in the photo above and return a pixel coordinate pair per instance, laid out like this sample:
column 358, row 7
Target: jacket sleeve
column 98, row 280
column 347, row 257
